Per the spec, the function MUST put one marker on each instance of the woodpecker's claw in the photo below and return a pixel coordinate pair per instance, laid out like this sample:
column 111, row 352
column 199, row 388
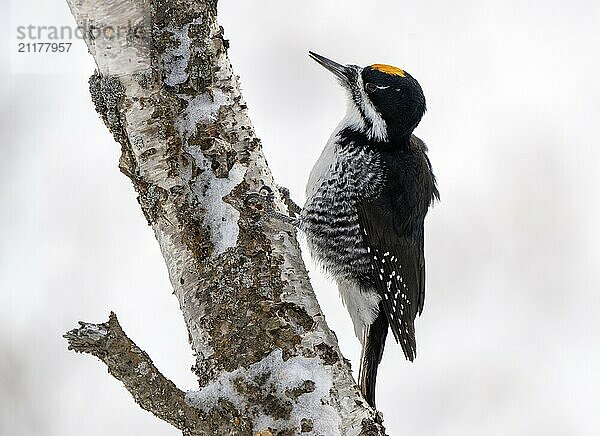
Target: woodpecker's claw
column 270, row 196
column 264, row 201
column 293, row 208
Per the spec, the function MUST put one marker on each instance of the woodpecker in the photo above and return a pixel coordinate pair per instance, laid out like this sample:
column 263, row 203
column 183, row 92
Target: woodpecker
column 366, row 201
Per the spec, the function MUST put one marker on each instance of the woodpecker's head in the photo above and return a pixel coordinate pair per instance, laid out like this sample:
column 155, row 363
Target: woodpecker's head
column 386, row 102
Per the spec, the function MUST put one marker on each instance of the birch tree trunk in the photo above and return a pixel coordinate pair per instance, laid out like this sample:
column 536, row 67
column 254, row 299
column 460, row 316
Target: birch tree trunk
column 267, row 364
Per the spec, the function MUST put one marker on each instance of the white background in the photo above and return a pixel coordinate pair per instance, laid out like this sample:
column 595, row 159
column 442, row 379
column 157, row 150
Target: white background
column 508, row 342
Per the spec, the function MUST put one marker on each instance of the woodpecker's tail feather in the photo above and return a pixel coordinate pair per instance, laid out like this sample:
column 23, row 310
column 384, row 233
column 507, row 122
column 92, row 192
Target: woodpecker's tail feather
column 374, row 342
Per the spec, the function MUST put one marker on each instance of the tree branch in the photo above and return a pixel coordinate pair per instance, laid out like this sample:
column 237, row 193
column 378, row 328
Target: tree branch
column 133, row 367
column 265, row 359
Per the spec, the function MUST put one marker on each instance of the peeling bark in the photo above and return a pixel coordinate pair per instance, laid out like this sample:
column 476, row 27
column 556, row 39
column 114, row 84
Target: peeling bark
column 265, row 359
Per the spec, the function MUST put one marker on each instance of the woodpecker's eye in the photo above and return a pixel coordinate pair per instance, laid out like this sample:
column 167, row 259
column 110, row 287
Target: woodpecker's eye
column 371, row 87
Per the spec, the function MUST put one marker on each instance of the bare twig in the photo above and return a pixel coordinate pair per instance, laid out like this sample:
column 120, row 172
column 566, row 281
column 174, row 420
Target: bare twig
column 132, row 366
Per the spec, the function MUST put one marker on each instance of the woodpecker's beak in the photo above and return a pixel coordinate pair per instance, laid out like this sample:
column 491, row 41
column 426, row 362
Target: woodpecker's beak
column 342, row 72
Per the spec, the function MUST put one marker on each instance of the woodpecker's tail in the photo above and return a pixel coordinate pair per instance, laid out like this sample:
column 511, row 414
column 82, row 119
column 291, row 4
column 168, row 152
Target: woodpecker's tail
column 374, row 342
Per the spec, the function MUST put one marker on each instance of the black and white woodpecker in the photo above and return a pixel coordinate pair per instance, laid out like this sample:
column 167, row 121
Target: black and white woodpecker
column 366, row 201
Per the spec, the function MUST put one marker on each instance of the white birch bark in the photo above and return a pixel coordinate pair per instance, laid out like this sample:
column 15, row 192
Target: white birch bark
column 265, row 359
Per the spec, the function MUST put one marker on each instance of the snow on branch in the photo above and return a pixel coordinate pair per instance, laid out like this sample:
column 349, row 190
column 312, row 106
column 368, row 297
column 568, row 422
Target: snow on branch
column 265, row 359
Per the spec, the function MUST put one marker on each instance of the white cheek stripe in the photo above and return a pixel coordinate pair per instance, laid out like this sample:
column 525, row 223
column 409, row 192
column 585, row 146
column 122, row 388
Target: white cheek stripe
column 378, row 128
column 353, row 118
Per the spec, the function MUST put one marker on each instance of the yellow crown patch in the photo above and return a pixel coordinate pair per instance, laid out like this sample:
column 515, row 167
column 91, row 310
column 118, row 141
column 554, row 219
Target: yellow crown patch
column 388, row 69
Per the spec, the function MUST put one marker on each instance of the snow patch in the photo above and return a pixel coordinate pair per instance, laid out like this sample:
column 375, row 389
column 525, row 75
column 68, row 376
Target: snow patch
column 175, row 61
column 221, row 218
column 280, row 378
column 94, row 331
column 203, row 108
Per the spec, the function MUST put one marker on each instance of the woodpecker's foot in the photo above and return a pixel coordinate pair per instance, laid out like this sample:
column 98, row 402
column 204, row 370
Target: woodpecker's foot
column 267, row 192
column 284, row 218
column 293, row 208
column 263, row 200
column 272, row 213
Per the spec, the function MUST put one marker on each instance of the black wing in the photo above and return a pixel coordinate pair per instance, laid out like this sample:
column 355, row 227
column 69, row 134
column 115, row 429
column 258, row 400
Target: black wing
column 398, row 273
column 392, row 226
